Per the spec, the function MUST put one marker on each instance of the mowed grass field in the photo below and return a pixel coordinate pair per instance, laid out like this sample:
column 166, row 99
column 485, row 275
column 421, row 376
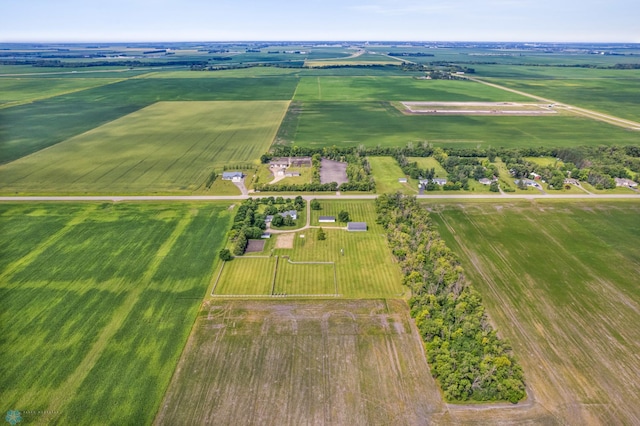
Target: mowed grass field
column 97, row 303
column 166, row 147
column 302, row 362
column 360, row 262
column 560, row 281
column 386, row 171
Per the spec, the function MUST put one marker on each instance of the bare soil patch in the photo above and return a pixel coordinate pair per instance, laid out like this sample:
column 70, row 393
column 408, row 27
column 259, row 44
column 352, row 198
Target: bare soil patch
column 342, row 362
column 285, row 241
column 255, row 246
column 333, row 171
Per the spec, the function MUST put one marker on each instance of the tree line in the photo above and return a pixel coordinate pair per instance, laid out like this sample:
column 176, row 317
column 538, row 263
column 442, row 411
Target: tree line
column 465, row 355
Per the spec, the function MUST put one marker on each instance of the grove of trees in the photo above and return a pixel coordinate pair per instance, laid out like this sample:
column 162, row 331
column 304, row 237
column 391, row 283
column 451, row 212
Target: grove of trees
column 464, row 352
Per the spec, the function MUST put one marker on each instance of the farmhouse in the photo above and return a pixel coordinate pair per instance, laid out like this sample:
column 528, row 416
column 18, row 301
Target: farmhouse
column 327, row 219
column 279, row 162
column 528, row 182
column 232, row 176
column 626, row 183
column 300, row 161
column 439, row 181
column 570, row 181
column 357, row 226
column 485, row 181
column 291, row 213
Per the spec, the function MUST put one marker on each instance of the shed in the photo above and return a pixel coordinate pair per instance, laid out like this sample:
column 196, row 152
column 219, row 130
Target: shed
column 485, row 181
column 439, row 181
column 357, row 226
column 326, row 219
column 402, row 180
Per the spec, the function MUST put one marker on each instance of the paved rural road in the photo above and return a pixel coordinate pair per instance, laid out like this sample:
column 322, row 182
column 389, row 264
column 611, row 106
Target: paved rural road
column 119, row 198
column 628, row 124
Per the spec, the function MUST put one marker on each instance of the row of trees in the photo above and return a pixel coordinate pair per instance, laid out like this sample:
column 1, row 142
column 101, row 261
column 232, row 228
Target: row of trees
column 598, row 165
column 464, row 352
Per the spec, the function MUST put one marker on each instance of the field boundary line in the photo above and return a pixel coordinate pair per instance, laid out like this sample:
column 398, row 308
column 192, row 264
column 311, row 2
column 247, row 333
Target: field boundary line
column 275, row 274
column 215, row 284
column 272, row 296
column 118, row 318
column 25, row 260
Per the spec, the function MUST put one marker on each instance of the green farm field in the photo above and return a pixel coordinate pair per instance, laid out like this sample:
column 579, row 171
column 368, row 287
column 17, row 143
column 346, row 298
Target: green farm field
column 618, row 97
column 166, row 147
column 25, row 129
column 16, row 90
column 361, row 89
column 318, row 124
column 302, row 362
column 98, row 302
column 560, row 281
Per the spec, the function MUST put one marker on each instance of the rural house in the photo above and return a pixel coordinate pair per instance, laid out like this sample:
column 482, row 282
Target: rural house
column 626, row 183
column 439, row 181
column 232, row 176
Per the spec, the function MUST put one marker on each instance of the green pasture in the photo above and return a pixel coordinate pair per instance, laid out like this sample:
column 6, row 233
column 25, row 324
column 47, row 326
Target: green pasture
column 405, row 88
column 166, row 147
column 319, row 124
column 559, row 279
column 386, row 171
column 430, row 163
column 98, row 301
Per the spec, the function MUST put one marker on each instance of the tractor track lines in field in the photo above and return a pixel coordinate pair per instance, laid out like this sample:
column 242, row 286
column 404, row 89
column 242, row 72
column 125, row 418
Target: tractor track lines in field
column 118, row 318
column 23, row 262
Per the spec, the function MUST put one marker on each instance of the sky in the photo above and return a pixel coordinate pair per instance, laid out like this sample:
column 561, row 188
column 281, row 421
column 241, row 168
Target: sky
column 327, row 20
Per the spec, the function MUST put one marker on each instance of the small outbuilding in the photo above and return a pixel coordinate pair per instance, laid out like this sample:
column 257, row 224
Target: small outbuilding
column 357, row 226
column 439, row 181
column 327, row 219
column 402, row 180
